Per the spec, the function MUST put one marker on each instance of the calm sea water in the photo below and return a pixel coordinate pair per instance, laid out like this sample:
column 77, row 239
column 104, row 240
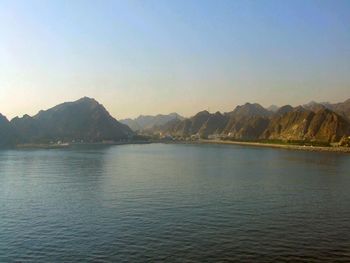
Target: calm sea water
column 174, row 203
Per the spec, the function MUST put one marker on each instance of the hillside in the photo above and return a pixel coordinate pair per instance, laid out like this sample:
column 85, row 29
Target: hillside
column 312, row 122
column 82, row 120
column 7, row 133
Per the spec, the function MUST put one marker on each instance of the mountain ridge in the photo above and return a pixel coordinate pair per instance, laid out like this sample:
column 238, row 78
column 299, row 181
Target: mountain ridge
column 86, row 120
column 148, row 122
column 251, row 121
column 82, row 120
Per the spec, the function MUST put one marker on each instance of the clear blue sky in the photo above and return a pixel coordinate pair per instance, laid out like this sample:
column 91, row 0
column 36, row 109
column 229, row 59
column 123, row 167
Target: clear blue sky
column 147, row 57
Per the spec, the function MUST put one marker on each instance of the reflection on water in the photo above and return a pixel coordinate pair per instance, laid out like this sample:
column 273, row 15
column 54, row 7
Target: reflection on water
column 174, row 203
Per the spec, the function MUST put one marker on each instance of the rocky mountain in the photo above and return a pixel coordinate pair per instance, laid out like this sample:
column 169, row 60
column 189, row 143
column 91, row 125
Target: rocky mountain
column 191, row 125
column 7, row 133
column 87, row 120
column 247, row 122
column 283, row 110
column 215, row 124
column 82, row 120
column 203, row 123
column 303, row 124
column 148, row 122
column 314, row 106
column 253, row 122
column 243, row 122
column 250, row 110
column 246, row 128
column 342, row 108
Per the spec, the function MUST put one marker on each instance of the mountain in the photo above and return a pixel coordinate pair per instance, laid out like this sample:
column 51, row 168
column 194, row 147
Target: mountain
column 243, row 122
column 312, row 122
column 246, row 128
column 314, row 106
column 283, row 110
column 303, row 124
column 167, row 128
column 132, row 124
column 82, row 120
column 87, row 120
column 250, row 110
column 342, row 108
column 203, row 123
column 192, row 125
column 148, row 122
column 214, row 124
column 7, row 133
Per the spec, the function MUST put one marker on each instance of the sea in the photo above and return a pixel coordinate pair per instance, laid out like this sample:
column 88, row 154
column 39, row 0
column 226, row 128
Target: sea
column 174, row 203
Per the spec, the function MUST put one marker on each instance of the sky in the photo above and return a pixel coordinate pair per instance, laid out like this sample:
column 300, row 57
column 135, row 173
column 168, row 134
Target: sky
column 150, row 57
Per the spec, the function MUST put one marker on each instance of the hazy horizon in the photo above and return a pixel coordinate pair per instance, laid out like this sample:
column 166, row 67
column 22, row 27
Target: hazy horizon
column 152, row 57
column 168, row 113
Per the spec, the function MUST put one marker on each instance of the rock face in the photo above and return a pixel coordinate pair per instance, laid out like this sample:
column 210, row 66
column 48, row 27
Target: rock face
column 83, row 120
column 192, row 125
column 253, row 122
column 215, row 124
column 247, row 122
column 246, row 128
column 87, row 120
column 244, row 122
column 7, row 133
column 342, row 108
column 291, row 125
column 302, row 124
column 144, row 123
column 283, row 110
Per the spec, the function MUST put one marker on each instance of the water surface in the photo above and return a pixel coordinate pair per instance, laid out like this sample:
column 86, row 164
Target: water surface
column 174, row 203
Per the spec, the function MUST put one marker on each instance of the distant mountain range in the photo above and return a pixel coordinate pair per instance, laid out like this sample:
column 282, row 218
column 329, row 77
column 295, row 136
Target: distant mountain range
column 86, row 120
column 318, row 122
column 148, row 122
column 82, row 120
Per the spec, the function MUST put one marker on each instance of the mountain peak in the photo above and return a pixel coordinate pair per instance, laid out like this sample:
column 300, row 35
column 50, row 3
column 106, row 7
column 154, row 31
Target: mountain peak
column 87, row 100
column 250, row 109
column 284, row 109
column 84, row 119
column 202, row 113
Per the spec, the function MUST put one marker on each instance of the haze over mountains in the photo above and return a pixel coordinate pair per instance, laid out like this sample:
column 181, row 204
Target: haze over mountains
column 86, row 120
column 147, row 122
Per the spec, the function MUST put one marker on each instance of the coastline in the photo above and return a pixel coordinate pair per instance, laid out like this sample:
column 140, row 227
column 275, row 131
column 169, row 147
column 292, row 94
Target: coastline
column 280, row 146
column 70, row 145
column 201, row 141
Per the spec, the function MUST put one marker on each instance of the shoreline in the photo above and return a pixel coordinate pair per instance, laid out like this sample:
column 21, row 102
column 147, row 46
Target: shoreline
column 202, row 141
column 281, row 146
column 70, row 145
